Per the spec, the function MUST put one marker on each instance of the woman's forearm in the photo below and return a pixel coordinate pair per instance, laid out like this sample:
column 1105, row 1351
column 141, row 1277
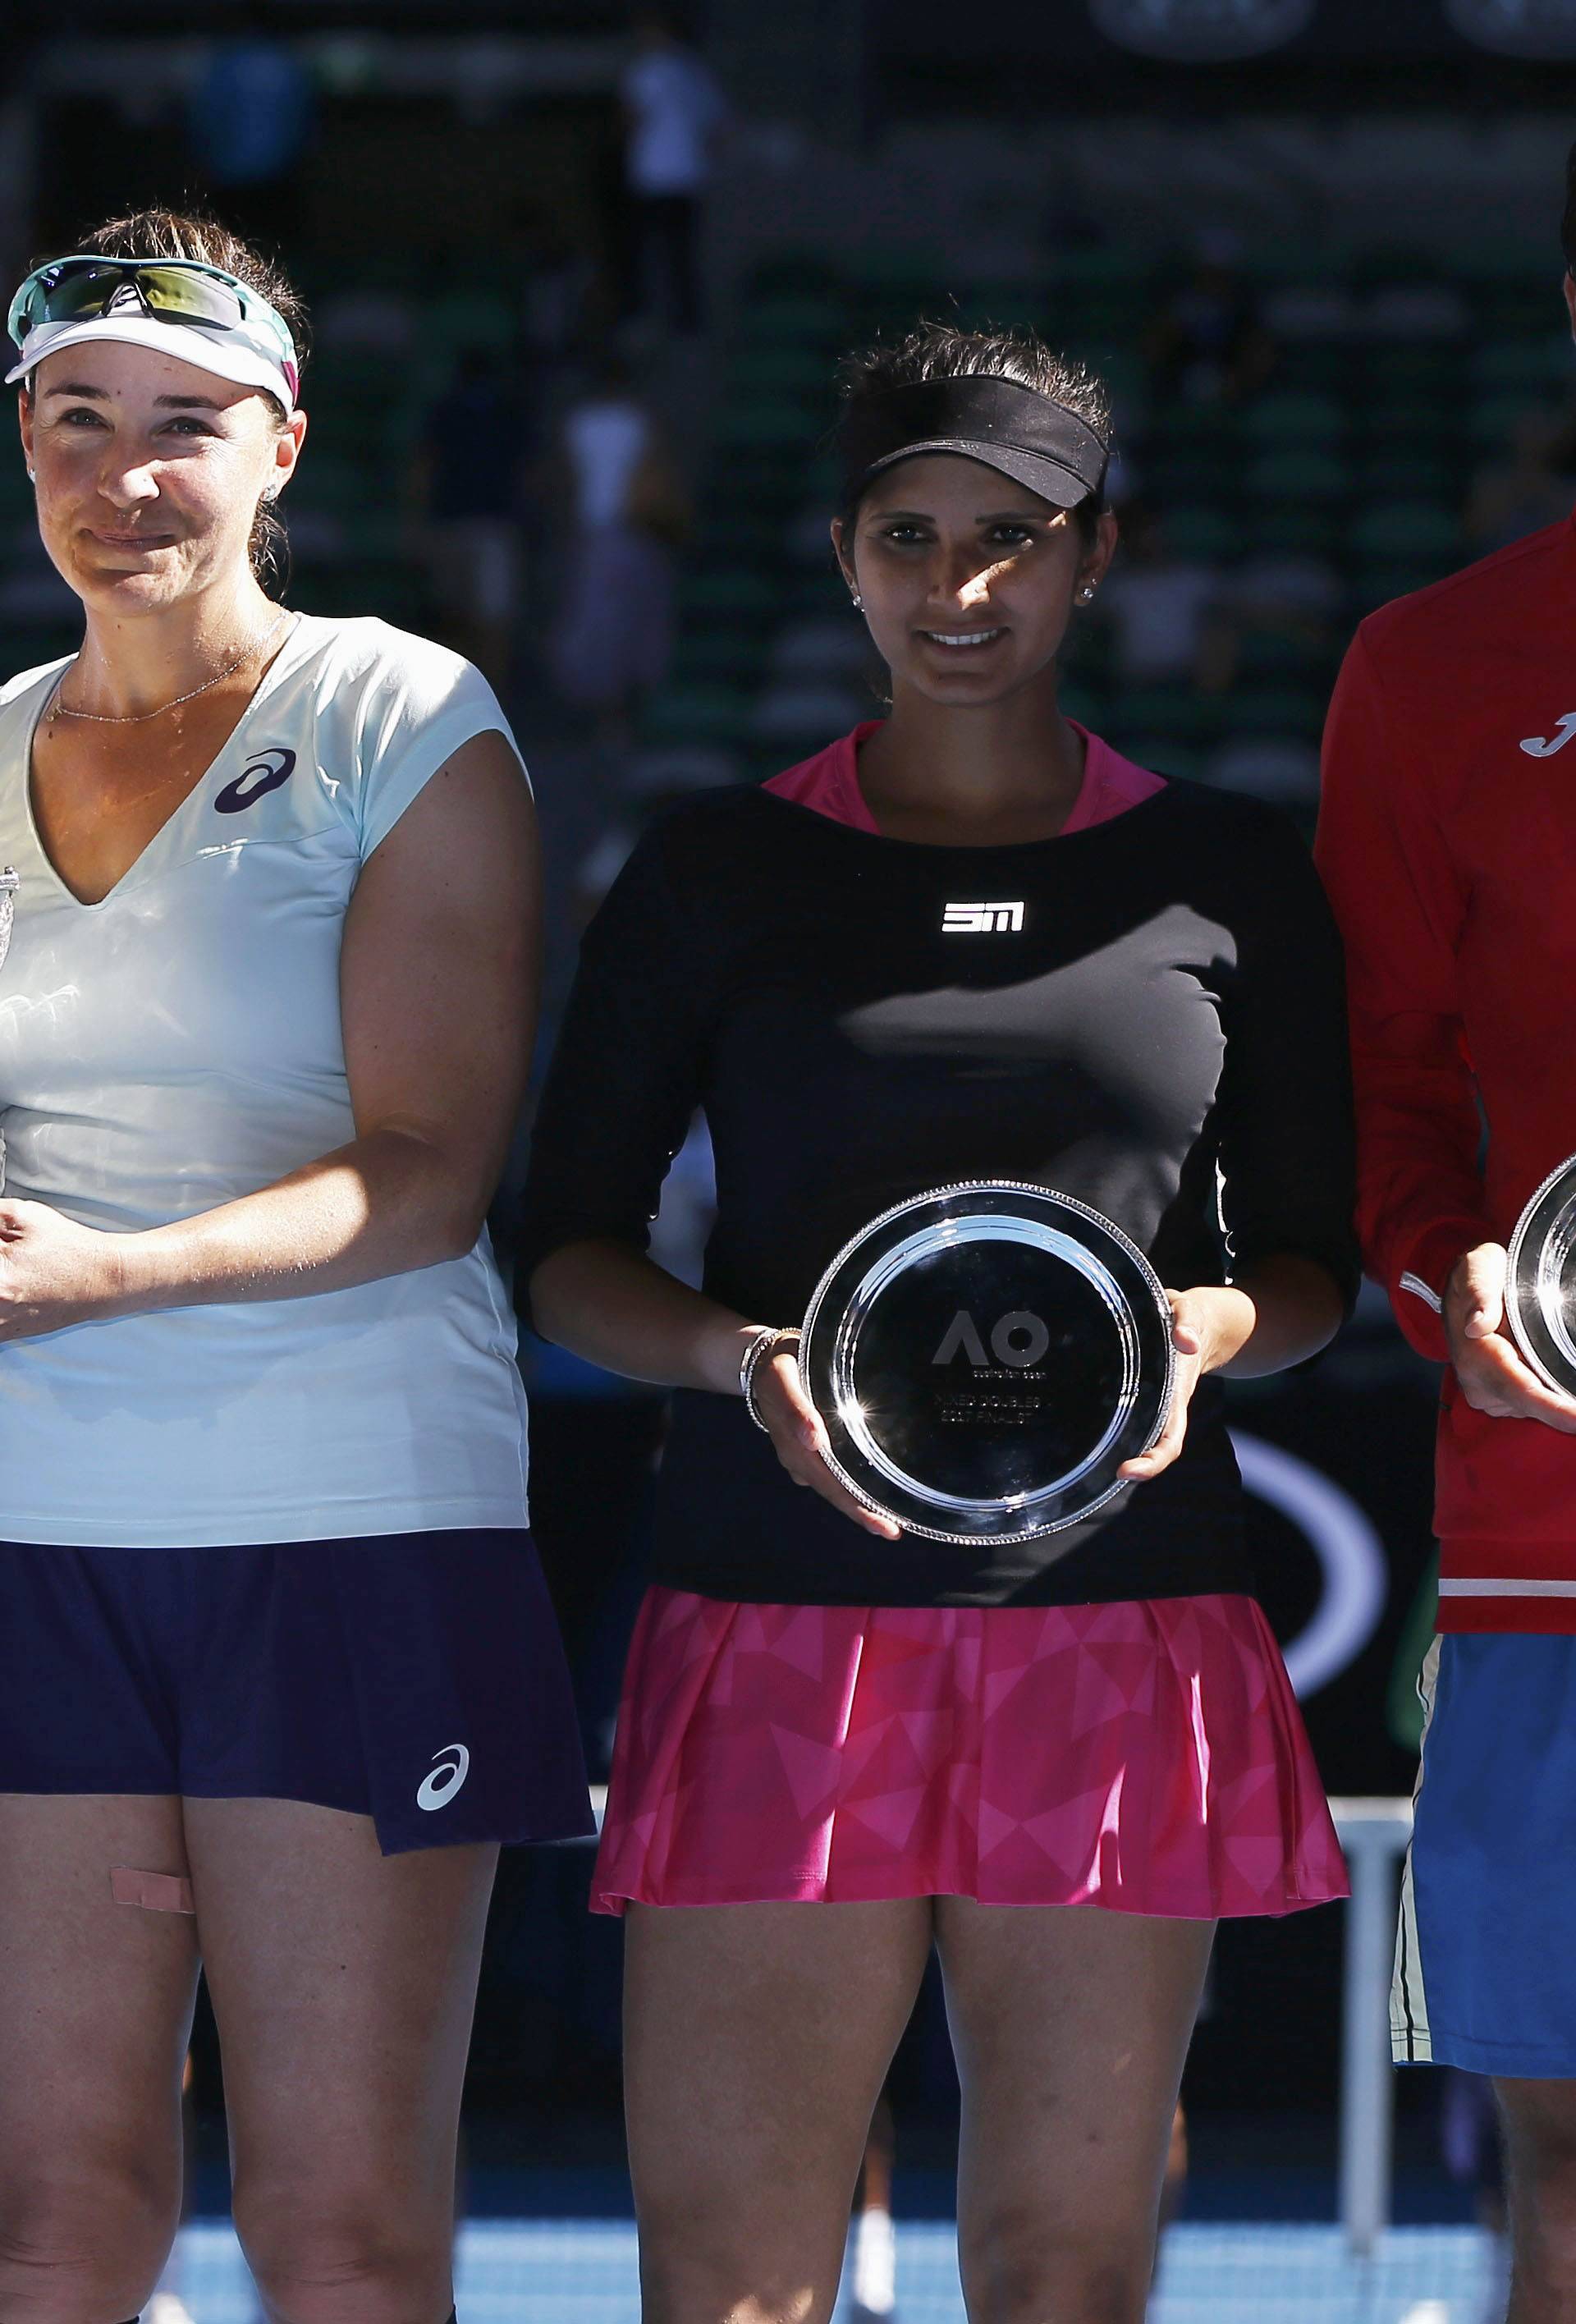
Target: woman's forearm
column 387, row 1203
column 612, row 1306
column 616, row 1307
column 1281, row 1313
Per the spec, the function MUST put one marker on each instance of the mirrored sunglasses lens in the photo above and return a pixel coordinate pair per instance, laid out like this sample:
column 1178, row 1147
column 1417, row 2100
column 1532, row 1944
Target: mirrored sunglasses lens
column 77, row 293
column 193, row 298
column 74, row 293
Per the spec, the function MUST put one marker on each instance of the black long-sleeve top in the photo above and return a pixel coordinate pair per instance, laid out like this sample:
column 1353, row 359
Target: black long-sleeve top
column 1151, row 1019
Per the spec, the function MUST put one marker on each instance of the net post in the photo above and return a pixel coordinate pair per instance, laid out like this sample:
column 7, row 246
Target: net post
column 1374, row 1832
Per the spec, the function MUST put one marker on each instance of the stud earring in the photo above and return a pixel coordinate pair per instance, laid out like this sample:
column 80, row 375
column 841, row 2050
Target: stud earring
column 1087, row 594
column 858, row 601
column 32, row 476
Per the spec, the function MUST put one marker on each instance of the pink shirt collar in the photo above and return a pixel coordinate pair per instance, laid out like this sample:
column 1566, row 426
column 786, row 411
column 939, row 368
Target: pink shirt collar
column 829, row 781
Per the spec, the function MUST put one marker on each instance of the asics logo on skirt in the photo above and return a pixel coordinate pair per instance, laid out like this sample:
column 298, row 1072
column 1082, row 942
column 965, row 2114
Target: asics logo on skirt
column 450, row 1766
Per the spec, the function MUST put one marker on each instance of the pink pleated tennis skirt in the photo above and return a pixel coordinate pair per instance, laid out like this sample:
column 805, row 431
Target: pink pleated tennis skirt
column 1146, row 1756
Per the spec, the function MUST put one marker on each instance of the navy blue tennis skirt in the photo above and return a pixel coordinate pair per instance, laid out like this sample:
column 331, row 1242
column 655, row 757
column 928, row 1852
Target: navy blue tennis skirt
column 415, row 1678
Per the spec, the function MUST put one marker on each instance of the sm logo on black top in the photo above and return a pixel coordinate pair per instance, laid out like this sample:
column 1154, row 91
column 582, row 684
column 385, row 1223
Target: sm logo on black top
column 262, row 772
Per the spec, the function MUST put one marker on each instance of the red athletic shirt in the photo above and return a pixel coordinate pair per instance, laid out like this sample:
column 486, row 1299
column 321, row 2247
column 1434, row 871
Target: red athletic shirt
column 1447, row 841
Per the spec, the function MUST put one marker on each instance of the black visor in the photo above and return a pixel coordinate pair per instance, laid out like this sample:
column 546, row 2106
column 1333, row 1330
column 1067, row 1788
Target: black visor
column 1038, row 443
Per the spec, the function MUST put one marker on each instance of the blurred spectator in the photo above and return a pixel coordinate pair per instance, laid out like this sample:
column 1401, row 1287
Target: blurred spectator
column 1529, row 488
column 674, row 111
column 614, row 638
column 471, row 480
column 1161, row 607
column 248, row 118
column 1281, row 614
column 559, row 280
column 1208, row 342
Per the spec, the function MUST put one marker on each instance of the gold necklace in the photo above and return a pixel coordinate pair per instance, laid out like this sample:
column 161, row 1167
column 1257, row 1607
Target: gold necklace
column 58, row 709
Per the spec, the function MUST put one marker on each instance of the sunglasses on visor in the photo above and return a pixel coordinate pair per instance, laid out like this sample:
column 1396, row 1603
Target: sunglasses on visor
column 170, row 290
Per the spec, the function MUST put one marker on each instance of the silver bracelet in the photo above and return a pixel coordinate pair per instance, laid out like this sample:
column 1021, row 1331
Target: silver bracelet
column 751, row 1355
column 768, row 1341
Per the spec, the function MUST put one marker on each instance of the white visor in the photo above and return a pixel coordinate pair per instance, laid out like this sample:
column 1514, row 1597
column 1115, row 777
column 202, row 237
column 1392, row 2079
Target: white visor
column 248, row 358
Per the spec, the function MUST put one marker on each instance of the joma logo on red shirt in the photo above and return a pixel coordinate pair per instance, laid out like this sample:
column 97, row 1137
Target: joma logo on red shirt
column 1536, row 747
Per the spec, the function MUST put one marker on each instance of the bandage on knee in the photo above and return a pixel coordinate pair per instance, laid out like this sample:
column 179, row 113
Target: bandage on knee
column 155, row 1891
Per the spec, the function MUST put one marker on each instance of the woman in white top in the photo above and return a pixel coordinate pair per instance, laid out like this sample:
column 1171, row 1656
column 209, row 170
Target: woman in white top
column 277, row 1673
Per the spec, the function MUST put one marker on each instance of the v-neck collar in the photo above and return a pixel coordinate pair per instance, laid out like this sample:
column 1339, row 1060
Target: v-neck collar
column 283, row 661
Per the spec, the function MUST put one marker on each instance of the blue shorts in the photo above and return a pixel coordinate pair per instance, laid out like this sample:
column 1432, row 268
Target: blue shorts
column 416, row 1678
column 1486, row 1956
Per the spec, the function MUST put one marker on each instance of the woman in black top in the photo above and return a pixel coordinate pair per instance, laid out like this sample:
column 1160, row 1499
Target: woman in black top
column 917, row 1734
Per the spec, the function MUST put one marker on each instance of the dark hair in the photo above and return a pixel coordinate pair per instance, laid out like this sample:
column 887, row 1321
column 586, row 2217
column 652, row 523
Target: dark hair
column 177, row 233
column 1568, row 220
column 942, row 351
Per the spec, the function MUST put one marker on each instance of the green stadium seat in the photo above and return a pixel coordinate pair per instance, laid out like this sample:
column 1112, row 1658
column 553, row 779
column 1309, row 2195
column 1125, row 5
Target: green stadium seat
column 1090, row 705
column 1177, row 710
column 695, row 714
column 1210, row 534
column 797, row 275
column 1164, row 754
column 1316, row 366
column 1376, row 584
column 1193, row 474
column 1404, row 531
column 1265, row 654
column 769, row 420
column 1530, row 365
column 739, row 590
column 16, row 501
column 1125, row 267
column 1299, row 474
column 810, row 591
column 1295, row 528
column 1007, row 307
column 471, row 319
column 786, row 369
column 339, row 485
column 1426, row 369
column 1407, row 420
column 708, row 654
column 1288, row 710
column 1493, row 419
column 1400, row 472
column 1294, row 418
column 805, row 319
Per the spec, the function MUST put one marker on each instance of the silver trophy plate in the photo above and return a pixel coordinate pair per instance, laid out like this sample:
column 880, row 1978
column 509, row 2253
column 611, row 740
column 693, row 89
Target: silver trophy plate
column 1540, row 1281
column 985, row 1357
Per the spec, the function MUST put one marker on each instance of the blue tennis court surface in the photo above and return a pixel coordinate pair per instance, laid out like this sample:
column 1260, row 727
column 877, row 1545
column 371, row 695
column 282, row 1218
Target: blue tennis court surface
column 583, row 2271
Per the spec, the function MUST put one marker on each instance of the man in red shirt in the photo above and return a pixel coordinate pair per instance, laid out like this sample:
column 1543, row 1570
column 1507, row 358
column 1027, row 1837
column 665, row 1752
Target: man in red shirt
column 1447, row 842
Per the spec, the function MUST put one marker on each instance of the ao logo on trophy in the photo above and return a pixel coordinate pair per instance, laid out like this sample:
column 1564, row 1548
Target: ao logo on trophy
column 1020, row 1339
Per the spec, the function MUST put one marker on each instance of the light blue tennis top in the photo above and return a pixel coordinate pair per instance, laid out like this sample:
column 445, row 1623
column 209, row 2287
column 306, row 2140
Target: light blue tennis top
column 177, row 1045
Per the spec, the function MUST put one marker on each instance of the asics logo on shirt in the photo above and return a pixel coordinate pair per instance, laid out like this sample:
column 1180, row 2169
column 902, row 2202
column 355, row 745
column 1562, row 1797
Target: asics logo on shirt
column 264, row 771
column 982, row 919
column 450, row 1766
column 1535, row 746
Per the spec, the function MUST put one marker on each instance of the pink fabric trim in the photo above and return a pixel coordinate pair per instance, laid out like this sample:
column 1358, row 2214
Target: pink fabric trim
column 829, row 782
column 1146, row 1757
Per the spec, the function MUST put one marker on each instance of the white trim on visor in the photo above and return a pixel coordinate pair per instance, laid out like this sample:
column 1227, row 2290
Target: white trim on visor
column 245, row 358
